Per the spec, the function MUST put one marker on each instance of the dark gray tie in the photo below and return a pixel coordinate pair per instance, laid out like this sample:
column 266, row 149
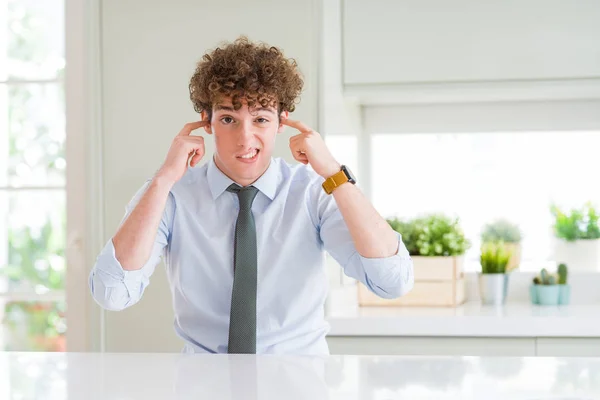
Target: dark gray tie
column 242, row 318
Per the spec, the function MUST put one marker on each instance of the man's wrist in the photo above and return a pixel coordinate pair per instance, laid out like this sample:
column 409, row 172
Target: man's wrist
column 162, row 182
column 332, row 170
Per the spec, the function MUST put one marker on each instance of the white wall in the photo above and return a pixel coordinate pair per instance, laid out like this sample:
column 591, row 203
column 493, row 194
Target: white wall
column 435, row 51
column 149, row 51
column 419, row 41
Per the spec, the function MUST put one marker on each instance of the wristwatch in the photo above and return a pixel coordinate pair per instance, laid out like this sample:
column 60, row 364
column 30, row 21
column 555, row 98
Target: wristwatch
column 338, row 179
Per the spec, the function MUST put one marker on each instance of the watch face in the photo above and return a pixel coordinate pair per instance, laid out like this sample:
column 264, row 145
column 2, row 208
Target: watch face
column 349, row 174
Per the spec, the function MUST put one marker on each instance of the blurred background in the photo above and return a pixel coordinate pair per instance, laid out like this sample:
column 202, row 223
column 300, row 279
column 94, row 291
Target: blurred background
column 463, row 112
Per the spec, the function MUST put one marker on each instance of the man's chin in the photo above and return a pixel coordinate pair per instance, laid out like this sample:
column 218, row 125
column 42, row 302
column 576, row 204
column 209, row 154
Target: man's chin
column 250, row 172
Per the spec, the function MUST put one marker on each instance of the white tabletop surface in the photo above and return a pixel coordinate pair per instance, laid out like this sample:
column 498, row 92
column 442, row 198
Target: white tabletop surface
column 346, row 318
column 95, row 376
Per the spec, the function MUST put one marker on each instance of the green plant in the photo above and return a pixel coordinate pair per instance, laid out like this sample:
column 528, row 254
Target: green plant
column 577, row 224
column 545, row 278
column 494, row 258
column 440, row 235
column 501, row 230
column 562, row 274
column 432, row 235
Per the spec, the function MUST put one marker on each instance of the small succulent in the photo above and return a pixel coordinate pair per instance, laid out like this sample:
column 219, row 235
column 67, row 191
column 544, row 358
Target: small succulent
column 545, row 278
column 562, row 274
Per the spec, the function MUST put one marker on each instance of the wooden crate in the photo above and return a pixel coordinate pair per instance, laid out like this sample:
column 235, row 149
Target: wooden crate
column 439, row 282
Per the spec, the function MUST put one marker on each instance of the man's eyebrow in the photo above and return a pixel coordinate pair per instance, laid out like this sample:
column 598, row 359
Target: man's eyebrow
column 266, row 109
column 220, row 107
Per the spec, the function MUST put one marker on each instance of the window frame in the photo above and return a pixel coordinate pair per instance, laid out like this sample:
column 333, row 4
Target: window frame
column 473, row 117
column 84, row 189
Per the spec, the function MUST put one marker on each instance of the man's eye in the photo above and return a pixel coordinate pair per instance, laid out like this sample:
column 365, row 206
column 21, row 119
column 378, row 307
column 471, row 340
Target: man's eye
column 262, row 120
column 227, row 120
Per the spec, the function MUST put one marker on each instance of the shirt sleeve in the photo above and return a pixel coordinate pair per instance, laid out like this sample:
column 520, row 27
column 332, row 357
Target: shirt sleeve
column 114, row 288
column 387, row 277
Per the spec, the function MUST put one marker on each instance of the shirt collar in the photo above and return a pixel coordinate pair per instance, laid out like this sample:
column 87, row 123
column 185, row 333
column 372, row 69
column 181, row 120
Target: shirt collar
column 218, row 182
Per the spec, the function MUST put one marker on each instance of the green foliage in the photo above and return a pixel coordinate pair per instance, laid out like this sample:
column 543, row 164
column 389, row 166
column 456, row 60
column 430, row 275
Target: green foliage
column 494, row 258
column 562, row 274
column 37, row 260
column 577, row 224
column 501, row 230
column 432, row 235
column 36, row 326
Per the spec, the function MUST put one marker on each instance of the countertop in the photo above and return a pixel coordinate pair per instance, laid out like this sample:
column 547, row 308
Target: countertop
column 119, row 376
column 471, row 319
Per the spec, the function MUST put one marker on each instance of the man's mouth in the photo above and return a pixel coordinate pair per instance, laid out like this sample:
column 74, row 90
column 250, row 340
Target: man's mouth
column 249, row 156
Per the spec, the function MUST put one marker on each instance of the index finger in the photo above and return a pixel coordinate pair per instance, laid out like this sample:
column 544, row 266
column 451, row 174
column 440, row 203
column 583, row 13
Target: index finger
column 296, row 124
column 190, row 126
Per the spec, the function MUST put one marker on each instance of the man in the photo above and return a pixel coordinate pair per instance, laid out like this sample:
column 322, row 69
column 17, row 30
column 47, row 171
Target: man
column 244, row 235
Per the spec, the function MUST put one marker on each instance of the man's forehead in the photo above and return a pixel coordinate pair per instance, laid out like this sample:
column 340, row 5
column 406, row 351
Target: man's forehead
column 227, row 105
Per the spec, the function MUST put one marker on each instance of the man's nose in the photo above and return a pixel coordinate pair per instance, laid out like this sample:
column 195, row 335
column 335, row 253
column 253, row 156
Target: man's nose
column 245, row 134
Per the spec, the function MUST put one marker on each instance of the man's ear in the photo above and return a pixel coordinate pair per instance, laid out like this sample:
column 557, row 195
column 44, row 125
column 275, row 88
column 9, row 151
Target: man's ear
column 207, row 128
column 282, row 116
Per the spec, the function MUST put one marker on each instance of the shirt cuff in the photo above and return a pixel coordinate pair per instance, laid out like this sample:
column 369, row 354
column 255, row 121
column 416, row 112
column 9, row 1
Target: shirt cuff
column 393, row 275
column 112, row 274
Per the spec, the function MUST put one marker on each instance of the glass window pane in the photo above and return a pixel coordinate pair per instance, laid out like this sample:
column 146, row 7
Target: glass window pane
column 33, row 326
column 343, row 148
column 32, row 241
column 32, row 43
column 482, row 176
column 35, row 146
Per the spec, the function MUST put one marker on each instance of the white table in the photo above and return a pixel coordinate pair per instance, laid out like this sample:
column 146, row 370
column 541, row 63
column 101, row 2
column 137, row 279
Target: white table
column 471, row 319
column 94, row 376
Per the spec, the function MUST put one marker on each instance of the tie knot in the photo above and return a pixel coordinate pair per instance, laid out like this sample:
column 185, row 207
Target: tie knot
column 246, row 195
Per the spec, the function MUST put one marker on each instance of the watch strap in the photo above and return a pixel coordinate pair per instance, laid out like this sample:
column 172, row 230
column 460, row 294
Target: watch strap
column 337, row 179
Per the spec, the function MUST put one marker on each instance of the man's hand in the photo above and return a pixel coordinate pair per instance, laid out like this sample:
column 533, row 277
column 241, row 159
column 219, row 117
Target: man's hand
column 183, row 147
column 308, row 147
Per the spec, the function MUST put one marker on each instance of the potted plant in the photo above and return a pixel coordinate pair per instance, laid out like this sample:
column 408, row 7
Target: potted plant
column 503, row 230
column 545, row 290
column 577, row 235
column 436, row 244
column 551, row 289
column 564, row 289
column 493, row 278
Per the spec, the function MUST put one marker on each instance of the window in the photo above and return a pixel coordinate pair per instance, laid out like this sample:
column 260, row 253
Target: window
column 481, row 176
column 32, row 175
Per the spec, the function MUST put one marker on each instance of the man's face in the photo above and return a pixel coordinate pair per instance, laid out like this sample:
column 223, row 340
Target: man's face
column 244, row 139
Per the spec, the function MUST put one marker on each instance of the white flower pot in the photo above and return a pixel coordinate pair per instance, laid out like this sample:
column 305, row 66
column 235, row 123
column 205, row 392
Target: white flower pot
column 580, row 255
column 493, row 288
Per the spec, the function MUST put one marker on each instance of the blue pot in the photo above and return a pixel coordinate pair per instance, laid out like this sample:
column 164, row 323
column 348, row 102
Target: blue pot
column 533, row 296
column 564, row 295
column 548, row 295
